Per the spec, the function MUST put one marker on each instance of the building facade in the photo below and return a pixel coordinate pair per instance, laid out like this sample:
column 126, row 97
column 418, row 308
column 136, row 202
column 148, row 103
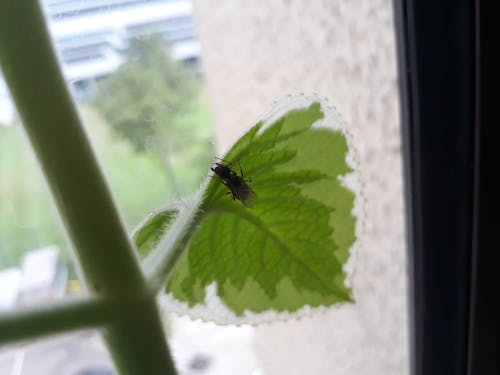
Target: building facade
column 91, row 36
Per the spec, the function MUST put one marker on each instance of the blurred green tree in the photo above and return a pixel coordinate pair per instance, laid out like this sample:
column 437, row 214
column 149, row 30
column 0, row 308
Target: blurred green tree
column 147, row 100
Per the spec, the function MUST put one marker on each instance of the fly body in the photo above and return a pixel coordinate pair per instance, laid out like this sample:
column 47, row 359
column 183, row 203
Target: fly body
column 237, row 184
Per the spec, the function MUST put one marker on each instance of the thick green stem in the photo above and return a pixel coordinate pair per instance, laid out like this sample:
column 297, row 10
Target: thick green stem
column 43, row 320
column 53, row 126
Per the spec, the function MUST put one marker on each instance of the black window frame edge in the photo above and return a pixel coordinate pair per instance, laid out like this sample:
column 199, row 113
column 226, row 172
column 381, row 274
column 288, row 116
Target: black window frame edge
column 484, row 330
column 450, row 102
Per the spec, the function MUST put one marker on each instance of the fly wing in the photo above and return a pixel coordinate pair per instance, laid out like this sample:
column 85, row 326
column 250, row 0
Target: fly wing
column 246, row 195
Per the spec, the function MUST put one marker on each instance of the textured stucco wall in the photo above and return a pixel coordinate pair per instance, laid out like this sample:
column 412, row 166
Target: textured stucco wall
column 257, row 51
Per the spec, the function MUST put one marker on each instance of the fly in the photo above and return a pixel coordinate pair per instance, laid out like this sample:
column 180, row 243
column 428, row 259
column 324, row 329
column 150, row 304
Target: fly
column 237, row 184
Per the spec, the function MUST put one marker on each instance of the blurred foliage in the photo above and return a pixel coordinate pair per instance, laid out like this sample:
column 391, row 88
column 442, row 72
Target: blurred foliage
column 28, row 218
column 149, row 101
column 157, row 107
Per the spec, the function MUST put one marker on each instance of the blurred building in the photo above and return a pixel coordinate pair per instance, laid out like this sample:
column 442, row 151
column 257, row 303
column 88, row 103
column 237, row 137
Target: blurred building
column 10, row 279
column 91, row 36
column 7, row 111
column 41, row 276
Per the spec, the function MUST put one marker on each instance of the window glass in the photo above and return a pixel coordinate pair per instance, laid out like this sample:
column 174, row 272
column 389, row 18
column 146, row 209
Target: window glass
column 256, row 52
column 165, row 85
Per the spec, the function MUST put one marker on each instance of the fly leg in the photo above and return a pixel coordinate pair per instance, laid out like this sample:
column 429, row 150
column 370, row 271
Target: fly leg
column 226, row 185
column 232, row 195
column 243, row 176
column 228, row 163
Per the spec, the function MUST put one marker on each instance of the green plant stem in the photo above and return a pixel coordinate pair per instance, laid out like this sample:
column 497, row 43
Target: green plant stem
column 42, row 320
column 160, row 263
column 81, row 194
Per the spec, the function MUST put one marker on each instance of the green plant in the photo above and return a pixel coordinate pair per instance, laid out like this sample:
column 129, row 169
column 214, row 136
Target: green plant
column 286, row 254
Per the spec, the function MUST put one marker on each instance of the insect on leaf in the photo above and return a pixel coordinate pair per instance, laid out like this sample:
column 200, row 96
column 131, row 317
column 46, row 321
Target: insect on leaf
column 289, row 253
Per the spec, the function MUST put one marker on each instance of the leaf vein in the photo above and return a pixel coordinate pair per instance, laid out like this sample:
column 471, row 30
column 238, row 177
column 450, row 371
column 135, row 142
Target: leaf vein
column 257, row 223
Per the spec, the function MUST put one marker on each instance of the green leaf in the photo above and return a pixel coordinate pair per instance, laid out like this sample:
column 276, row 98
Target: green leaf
column 288, row 252
column 150, row 231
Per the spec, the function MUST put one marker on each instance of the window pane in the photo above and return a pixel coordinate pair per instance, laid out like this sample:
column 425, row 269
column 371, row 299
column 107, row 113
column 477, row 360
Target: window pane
column 256, row 52
column 82, row 353
column 156, row 146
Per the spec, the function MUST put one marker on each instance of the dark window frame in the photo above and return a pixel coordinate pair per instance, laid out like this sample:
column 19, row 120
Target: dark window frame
column 450, row 100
